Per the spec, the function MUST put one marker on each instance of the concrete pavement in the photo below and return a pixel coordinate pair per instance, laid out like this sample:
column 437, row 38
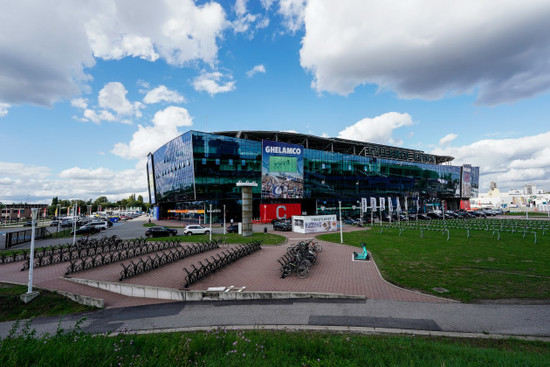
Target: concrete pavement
column 371, row 303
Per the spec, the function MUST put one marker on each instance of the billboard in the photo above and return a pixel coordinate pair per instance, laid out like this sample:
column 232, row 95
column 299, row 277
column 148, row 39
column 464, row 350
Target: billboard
column 282, row 170
column 466, row 181
column 268, row 212
column 314, row 223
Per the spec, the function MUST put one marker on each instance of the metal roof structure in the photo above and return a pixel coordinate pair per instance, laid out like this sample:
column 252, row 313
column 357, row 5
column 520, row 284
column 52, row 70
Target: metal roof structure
column 338, row 145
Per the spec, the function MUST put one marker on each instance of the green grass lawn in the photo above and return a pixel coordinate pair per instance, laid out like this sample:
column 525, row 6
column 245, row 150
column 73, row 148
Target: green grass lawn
column 220, row 347
column 475, row 268
column 46, row 304
column 234, row 238
column 531, row 214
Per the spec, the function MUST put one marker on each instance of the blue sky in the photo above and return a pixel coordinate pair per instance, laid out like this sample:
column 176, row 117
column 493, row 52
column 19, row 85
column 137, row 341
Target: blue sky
column 87, row 89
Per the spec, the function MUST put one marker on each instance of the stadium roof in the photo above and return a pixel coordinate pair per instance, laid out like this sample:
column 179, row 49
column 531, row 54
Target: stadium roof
column 338, row 145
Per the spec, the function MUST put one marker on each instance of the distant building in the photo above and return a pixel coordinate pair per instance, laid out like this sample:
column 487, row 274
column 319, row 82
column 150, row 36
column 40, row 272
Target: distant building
column 530, row 199
column 15, row 212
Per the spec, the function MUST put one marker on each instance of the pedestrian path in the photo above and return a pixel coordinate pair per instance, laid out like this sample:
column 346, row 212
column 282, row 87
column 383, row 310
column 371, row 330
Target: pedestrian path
column 334, row 272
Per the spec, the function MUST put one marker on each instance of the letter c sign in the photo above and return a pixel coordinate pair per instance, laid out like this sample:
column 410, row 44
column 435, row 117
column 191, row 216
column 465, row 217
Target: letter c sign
column 277, row 212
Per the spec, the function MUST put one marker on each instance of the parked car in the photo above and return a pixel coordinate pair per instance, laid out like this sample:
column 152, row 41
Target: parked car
column 99, row 224
column 192, row 229
column 87, row 230
column 160, row 231
column 234, row 228
column 27, row 223
column 434, row 215
column 422, row 216
column 66, row 223
column 54, row 223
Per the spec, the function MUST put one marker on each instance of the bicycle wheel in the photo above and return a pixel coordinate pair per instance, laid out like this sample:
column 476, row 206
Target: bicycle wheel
column 286, row 271
column 302, row 271
column 318, row 248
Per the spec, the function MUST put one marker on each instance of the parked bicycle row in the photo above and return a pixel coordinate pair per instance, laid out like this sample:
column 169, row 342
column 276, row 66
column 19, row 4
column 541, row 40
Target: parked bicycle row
column 122, row 249
column 299, row 258
column 150, row 263
column 111, row 243
column 222, row 260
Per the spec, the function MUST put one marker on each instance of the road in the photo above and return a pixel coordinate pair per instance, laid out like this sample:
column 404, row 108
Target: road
column 452, row 319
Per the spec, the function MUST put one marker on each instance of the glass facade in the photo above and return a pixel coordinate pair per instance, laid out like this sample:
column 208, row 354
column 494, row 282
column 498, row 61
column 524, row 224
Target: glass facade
column 198, row 167
column 173, row 168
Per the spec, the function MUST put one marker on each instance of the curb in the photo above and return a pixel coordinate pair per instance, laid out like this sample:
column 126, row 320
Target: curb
column 171, row 294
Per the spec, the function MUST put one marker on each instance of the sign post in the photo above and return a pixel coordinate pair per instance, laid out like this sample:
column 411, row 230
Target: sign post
column 210, row 223
column 340, row 215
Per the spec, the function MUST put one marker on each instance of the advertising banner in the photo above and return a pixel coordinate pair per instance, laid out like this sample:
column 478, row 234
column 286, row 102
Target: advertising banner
column 382, row 204
column 397, row 205
column 406, row 204
column 268, row 212
column 390, row 206
column 373, row 204
column 282, row 170
column 314, row 223
column 466, row 182
column 364, row 205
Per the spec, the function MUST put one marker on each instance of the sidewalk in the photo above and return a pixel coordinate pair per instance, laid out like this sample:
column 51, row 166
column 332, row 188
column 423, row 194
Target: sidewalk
column 334, row 272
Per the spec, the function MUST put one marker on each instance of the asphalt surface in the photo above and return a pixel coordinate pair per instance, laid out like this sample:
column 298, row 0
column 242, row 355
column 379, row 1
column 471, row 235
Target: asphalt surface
column 125, row 230
column 356, row 315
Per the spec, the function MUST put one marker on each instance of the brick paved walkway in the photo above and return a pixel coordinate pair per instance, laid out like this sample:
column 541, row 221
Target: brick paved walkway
column 334, row 272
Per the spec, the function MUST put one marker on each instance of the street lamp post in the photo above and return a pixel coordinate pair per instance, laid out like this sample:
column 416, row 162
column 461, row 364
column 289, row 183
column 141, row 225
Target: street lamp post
column 30, row 295
column 58, row 215
column 74, row 223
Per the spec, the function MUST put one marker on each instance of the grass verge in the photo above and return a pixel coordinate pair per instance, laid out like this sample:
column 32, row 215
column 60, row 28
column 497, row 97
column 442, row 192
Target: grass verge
column 234, row 238
column 476, row 268
column 46, row 304
column 265, row 348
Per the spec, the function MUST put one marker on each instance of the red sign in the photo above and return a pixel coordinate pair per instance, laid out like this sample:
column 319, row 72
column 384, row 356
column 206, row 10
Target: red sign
column 268, row 212
column 465, row 204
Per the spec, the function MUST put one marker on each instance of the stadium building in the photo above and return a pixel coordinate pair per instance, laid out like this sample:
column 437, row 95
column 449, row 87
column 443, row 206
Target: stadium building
column 298, row 174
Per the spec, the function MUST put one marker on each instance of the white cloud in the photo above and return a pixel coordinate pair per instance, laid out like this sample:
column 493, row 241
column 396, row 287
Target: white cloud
column 50, row 44
column 113, row 96
column 255, row 70
column 447, row 139
column 178, row 31
column 293, row 12
column 149, row 138
column 378, row 129
column 426, row 49
column 81, row 103
column 509, row 162
column 214, row 83
column 245, row 21
column 91, row 115
column 43, row 59
column 40, row 184
column 266, row 4
column 161, row 93
column 4, row 109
